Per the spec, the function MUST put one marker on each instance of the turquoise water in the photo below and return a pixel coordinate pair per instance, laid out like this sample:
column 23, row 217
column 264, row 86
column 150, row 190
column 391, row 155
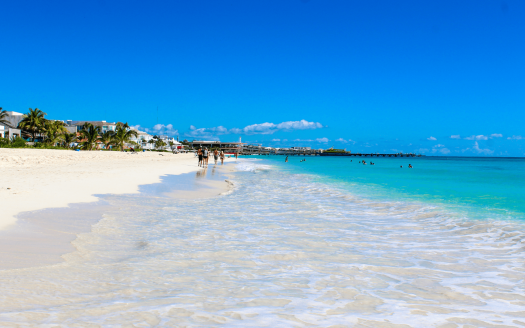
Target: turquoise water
column 474, row 187
column 321, row 243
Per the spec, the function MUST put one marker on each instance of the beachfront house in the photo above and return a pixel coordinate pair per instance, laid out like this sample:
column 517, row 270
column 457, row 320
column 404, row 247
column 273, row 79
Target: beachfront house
column 143, row 139
column 104, row 126
column 10, row 130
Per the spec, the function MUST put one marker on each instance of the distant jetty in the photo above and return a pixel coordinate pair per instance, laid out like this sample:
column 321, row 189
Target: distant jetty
column 368, row 155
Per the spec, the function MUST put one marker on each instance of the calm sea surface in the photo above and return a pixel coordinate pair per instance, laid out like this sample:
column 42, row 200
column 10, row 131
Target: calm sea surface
column 476, row 187
column 328, row 242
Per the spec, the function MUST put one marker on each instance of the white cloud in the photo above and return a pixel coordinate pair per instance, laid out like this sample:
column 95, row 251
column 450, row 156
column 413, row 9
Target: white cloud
column 438, row 146
column 455, row 136
column 479, row 137
column 515, row 138
column 440, row 150
column 431, row 138
column 270, row 128
column 476, row 149
column 276, row 140
column 482, row 151
column 262, row 128
column 313, row 140
column 341, row 140
column 482, row 137
column 159, row 129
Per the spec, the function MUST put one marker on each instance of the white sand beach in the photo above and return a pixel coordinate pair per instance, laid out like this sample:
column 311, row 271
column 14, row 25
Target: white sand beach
column 34, row 179
column 65, row 184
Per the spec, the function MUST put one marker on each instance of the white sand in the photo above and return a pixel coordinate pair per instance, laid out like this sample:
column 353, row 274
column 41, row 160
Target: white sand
column 33, row 179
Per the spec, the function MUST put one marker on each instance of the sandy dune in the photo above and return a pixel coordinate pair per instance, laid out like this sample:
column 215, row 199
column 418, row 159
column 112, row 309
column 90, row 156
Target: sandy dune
column 33, row 179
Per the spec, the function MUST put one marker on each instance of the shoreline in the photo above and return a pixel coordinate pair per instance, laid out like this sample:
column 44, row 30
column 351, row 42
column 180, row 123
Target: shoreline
column 56, row 195
column 35, row 179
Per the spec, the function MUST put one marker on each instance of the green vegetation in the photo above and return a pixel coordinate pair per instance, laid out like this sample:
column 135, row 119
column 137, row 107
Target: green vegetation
column 89, row 135
column 159, row 144
column 3, row 116
column 68, row 139
column 123, row 135
column 331, row 150
column 33, row 122
column 12, row 143
column 107, row 139
column 54, row 131
column 49, row 134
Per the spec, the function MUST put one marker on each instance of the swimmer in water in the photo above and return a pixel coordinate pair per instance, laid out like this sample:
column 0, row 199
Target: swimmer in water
column 409, row 166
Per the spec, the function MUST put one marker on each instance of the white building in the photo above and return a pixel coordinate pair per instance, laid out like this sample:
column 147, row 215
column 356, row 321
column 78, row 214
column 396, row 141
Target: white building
column 143, row 139
column 9, row 131
column 104, row 126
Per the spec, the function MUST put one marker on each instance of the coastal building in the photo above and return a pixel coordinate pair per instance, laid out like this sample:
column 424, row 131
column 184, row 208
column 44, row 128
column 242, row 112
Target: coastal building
column 7, row 132
column 143, row 139
column 256, row 150
column 302, row 148
column 226, row 147
column 104, row 126
column 10, row 130
column 14, row 118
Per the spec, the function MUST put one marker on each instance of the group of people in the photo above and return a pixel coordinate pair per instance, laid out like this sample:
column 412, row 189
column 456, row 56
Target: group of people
column 204, row 154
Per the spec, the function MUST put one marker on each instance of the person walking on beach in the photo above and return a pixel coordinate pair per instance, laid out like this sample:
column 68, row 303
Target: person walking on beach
column 215, row 155
column 199, row 153
column 205, row 157
column 222, row 157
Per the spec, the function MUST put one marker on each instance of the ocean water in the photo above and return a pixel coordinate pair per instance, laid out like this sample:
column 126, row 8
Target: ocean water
column 323, row 243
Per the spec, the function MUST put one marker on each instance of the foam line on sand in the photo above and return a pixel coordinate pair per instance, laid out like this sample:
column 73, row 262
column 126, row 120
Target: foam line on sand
column 34, row 179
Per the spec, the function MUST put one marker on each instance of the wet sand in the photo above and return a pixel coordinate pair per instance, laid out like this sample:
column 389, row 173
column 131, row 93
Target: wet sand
column 41, row 236
column 34, row 179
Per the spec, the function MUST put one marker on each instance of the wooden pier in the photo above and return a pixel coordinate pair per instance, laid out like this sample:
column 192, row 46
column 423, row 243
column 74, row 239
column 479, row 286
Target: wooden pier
column 370, row 155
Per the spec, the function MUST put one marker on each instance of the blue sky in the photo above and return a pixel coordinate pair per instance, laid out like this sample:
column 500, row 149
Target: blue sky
column 436, row 77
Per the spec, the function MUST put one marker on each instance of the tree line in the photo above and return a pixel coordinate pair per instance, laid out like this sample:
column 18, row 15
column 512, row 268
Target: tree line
column 54, row 133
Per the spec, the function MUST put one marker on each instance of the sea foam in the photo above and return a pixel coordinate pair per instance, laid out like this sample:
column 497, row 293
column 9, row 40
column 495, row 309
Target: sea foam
column 280, row 250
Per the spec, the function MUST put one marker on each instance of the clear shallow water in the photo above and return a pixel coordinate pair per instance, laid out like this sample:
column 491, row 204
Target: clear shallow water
column 474, row 187
column 282, row 250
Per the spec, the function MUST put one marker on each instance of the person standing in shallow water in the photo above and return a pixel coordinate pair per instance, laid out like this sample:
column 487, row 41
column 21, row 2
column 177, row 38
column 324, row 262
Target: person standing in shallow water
column 222, row 157
column 199, row 153
column 205, row 157
column 286, row 160
column 215, row 155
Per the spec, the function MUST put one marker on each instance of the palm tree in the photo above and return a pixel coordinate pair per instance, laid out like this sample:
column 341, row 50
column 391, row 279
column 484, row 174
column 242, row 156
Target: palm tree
column 123, row 134
column 159, row 143
column 136, row 145
column 54, row 132
column 89, row 136
column 3, row 115
column 33, row 122
column 68, row 139
column 107, row 138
